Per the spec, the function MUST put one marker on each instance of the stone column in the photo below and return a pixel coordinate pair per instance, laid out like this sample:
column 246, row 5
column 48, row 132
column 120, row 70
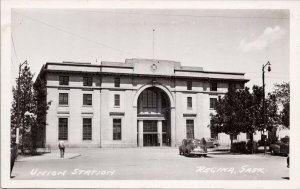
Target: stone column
column 173, row 127
column 141, row 132
column 159, row 128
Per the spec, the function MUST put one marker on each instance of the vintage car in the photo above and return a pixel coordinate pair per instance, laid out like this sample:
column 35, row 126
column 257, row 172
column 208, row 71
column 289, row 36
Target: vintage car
column 193, row 147
column 212, row 143
column 280, row 147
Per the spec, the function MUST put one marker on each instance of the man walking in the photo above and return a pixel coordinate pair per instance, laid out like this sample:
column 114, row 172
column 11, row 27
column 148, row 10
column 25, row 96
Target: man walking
column 61, row 147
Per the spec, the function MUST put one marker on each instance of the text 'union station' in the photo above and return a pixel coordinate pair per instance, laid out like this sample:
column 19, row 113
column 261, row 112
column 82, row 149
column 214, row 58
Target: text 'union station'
column 141, row 102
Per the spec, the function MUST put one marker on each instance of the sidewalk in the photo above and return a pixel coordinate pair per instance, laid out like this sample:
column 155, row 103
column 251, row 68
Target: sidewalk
column 48, row 156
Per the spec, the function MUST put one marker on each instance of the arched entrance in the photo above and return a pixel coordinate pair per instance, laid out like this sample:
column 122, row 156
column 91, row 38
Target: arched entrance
column 153, row 117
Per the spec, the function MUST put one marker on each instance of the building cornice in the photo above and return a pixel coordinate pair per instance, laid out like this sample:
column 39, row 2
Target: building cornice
column 146, row 75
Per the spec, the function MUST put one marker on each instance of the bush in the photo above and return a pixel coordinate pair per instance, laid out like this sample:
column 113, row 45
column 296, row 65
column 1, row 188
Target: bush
column 239, row 147
column 244, row 147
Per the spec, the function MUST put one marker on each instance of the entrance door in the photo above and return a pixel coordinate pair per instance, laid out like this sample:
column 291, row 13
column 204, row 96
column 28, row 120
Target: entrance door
column 150, row 133
column 150, row 140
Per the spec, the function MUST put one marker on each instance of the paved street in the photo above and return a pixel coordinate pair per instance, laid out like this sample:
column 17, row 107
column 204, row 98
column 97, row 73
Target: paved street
column 150, row 163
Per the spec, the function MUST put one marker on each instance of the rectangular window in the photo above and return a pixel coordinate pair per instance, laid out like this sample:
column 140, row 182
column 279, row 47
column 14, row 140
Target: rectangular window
column 189, row 102
column 213, row 86
column 189, row 128
column 63, row 80
column 189, row 85
column 117, row 129
column 87, row 81
column 117, row 82
column 87, row 99
column 247, row 136
column 63, row 98
column 117, row 100
column 63, row 129
column 150, row 126
column 213, row 133
column 213, row 103
column 87, row 129
column 234, row 137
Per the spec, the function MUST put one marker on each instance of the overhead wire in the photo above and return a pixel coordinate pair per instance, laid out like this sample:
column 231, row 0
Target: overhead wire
column 186, row 15
column 79, row 36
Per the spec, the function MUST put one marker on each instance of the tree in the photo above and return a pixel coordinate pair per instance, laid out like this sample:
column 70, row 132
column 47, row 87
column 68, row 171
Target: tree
column 282, row 96
column 226, row 119
column 33, row 106
column 240, row 111
column 41, row 107
column 23, row 97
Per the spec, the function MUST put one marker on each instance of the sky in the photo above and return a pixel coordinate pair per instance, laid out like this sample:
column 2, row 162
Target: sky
column 217, row 40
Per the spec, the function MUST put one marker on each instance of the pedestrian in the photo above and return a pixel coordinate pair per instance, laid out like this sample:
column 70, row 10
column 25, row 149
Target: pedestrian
column 204, row 141
column 61, row 147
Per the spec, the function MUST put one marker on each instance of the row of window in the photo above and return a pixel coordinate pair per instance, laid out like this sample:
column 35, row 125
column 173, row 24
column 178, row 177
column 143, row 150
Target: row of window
column 87, row 129
column 64, row 99
column 212, row 102
column 151, row 101
column 117, row 128
column 63, row 129
column 87, row 99
column 213, row 86
column 87, row 81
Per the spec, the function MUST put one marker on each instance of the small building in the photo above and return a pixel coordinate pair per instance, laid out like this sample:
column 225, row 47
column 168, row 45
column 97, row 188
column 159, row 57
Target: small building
column 139, row 102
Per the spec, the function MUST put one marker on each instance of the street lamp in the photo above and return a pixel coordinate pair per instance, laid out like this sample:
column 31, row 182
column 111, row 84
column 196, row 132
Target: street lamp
column 264, row 111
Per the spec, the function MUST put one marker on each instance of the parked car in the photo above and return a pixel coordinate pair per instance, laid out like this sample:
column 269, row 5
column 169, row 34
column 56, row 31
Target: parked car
column 212, row 143
column 194, row 147
column 280, row 147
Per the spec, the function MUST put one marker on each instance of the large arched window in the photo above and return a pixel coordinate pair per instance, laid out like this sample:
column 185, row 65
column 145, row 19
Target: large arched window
column 149, row 99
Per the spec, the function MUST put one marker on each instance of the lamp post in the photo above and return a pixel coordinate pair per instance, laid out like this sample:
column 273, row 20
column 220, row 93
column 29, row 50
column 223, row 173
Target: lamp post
column 264, row 109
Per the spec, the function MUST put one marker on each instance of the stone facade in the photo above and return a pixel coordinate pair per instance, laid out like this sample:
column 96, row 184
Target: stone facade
column 153, row 104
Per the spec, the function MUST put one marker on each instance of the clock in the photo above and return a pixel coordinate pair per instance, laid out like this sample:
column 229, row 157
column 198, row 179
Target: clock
column 153, row 68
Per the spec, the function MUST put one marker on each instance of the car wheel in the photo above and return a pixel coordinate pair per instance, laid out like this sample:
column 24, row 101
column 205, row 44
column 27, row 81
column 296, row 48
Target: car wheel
column 205, row 155
column 180, row 153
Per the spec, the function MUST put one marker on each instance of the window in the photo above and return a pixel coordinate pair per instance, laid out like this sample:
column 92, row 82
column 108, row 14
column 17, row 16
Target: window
column 117, row 82
column 213, row 133
column 62, row 128
column 149, row 126
column 116, row 129
column 189, row 102
column 189, row 128
column 87, row 81
column 87, row 129
column 247, row 136
column 149, row 99
column 189, row 85
column 63, row 98
column 87, row 99
column 213, row 103
column 233, row 137
column 63, row 80
column 117, row 100
column 213, row 86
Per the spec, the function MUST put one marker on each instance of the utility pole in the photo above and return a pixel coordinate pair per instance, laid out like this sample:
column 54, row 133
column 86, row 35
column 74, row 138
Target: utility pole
column 153, row 44
column 264, row 108
column 18, row 104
